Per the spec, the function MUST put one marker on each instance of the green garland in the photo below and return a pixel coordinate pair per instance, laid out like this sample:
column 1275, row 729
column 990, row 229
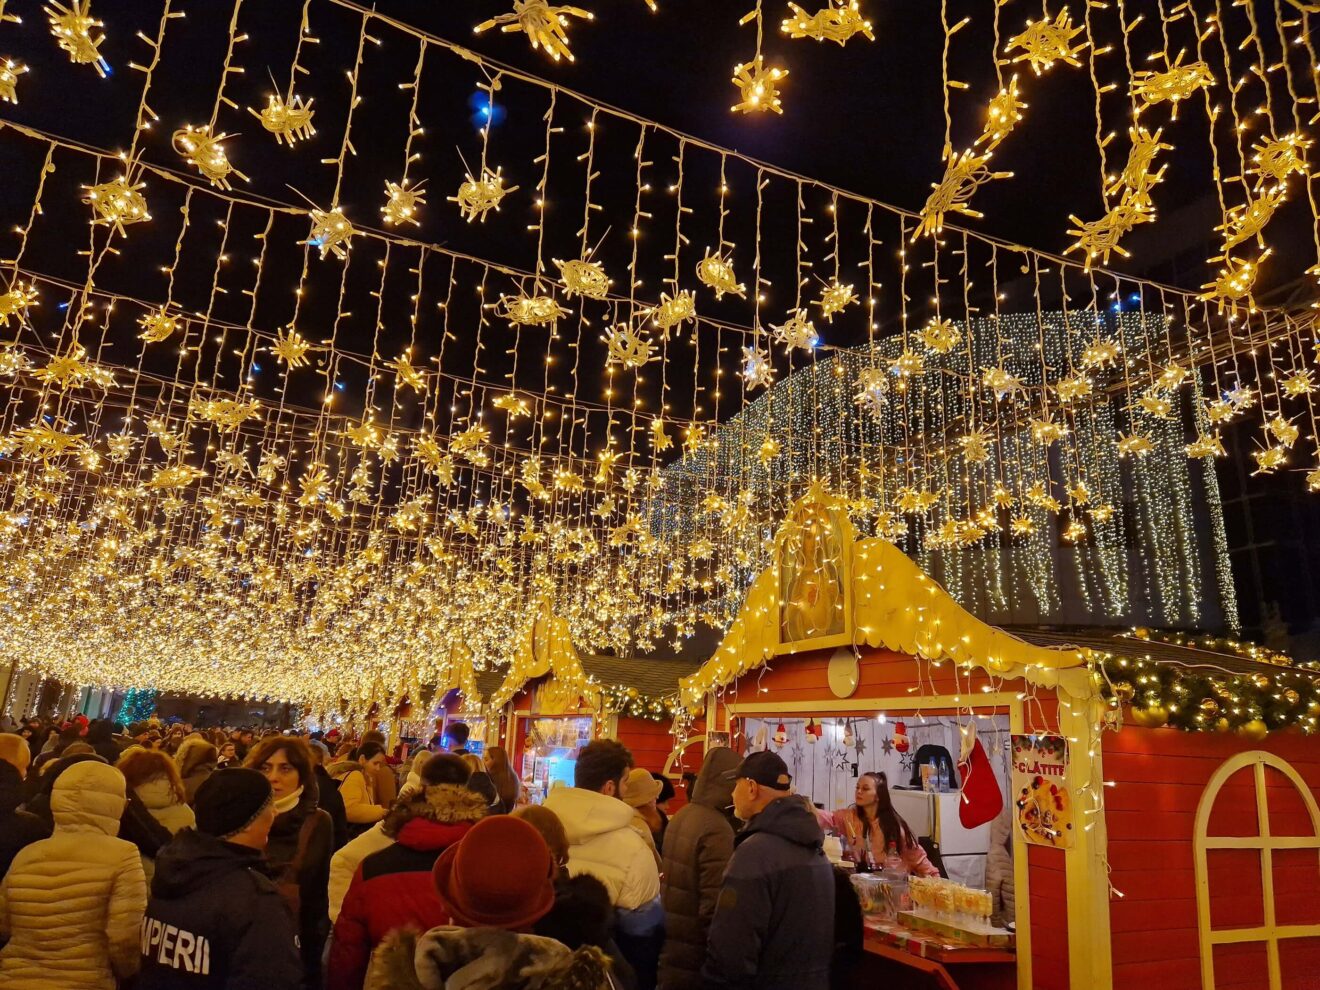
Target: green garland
column 631, row 703
column 1251, row 705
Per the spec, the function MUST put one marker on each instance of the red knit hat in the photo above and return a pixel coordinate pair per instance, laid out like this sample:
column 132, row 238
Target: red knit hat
column 500, row 875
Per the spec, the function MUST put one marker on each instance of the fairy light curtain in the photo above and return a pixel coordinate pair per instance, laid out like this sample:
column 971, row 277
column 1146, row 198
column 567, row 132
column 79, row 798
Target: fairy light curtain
column 313, row 382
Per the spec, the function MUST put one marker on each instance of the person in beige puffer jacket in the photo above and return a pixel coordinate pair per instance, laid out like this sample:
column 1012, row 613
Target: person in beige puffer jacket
column 71, row 904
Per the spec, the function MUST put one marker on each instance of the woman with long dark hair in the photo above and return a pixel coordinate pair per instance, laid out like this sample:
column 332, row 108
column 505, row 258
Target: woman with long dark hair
column 870, row 825
column 301, row 843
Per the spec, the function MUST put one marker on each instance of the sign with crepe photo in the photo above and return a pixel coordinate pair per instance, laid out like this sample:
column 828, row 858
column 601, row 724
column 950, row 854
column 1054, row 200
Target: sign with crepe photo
column 1042, row 802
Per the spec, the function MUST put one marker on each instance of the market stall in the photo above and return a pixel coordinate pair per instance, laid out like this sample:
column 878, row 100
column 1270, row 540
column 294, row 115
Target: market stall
column 846, row 658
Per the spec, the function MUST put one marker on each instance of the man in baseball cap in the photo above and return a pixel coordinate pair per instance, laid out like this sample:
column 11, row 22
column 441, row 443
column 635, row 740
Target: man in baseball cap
column 774, row 921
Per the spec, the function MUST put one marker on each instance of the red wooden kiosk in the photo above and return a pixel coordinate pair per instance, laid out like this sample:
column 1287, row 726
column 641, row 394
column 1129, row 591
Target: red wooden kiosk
column 1213, row 839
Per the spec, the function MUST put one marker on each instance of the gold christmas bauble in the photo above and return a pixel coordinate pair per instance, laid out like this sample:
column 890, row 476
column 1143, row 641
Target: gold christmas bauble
column 1314, row 708
column 1255, row 730
column 1123, row 691
column 1291, row 696
column 1260, row 680
column 1152, row 717
column 1222, row 725
column 1209, row 707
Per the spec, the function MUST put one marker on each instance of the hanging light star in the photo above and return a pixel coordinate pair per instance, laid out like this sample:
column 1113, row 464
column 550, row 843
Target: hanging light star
column 1100, row 354
column 406, row 375
column 758, row 86
column 1003, row 113
column 976, row 446
column 1134, row 445
column 1002, row 383
column 1285, row 431
column 207, row 153
column 117, row 204
column 583, row 278
column 532, row 311
column 545, row 25
column 1045, row 42
column 1269, row 459
column 716, row 272
column 73, row 28
column 16, row 302
column 157, row 326
column 909, row 364
column 1298, row 383
column 402, row 203
column 1173, row 85
column 291, row 348
column 835, row 298
column 837, row 22
column 627, row 346
column 9, row 73
column 1233, row 284
column 289, row 121
column 673, row 311
column 940, row 336
column 477, row 197
column 768, row 451
column 1072, row 389
column 1277, row 158
column 757, row 370
column 797, row 332
column 331, row 232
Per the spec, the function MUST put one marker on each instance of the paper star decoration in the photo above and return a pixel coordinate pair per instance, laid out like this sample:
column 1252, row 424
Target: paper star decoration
column 545, row 25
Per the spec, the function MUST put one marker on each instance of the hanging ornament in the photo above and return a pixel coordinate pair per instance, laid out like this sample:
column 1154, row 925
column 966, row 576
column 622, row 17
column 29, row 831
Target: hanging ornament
column 117, row 204
column 909, row 364
column 901, row 742
column 545, row 24
column 331, row 232
column 291, row 348
column 797, row 332
column 1173, row 85
column 849, row 738
column 872, row 390
column 838, row 21
column 1277, row 158
column 20, row 297
column 1298, row 383
column 758, row 86
column 73, row 27
column 1205, row 446
column 814, row 730
column 477, row 197
column 206, row 152
column 1003, row 384
column 531, row 311
column 976, row 446
column 757, row 371
column 717, row 272
column 289, row 121
column 583, row 278
column 781, row 735
column 1045, row 42
column 9, row 73
column 835, row 298
column 673, row 311
column 157, row 326
column 759, row 740
column 627, row 346
column 940, row 336
column 402, row 203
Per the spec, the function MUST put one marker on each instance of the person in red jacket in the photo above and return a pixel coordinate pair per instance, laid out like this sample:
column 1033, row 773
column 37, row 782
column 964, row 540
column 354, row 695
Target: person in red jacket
column 392, row 888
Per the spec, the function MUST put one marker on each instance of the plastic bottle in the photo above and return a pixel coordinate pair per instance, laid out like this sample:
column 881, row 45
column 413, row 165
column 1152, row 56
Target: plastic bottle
column 893, row 861
column 945, row 783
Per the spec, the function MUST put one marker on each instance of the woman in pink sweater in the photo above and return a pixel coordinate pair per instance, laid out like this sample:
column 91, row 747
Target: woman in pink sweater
column 870, row 826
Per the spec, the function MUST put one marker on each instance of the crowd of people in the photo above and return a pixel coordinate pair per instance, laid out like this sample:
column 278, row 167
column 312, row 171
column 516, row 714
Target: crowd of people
column 156, row 858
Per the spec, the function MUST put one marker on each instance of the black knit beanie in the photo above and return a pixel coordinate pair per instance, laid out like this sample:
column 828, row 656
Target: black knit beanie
column 230, row 800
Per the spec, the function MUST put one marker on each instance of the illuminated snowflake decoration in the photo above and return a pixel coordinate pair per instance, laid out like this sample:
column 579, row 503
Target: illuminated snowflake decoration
column 757, row 370
column 77, row 33
column 477, row 197
column 1232, row 285
column 406, row 375
column 545, row 24
column 940, row 336
column 797, row 332
column 402, row 204
column 976, row 446
column 530, row 311
column 758, row 86
column 835, row 298
column 1045, row 42
column 9, row 73
column 206, row 152
column 290, row 121
column 117, row 204
column 583, row 278
column 872, row 390
column 1072, row 389
column 513, row 404
column 331, row 232
column 838, row 22
column 627, row 346
column 1283, row 430
column 1269, row 459
column 157, row 326
column 1298, row 383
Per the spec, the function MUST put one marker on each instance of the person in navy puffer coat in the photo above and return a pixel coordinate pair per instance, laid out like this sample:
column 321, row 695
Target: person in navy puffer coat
column 393, row 888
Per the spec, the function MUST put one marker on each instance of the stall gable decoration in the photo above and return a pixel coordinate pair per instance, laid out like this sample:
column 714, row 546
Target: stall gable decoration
column 1042, row 802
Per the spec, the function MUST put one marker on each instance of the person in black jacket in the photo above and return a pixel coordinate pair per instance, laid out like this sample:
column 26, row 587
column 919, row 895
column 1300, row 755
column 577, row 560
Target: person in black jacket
column 101, row 737
column 327, row 793
column 17, row 828
column 215, row 921
column 773, row 927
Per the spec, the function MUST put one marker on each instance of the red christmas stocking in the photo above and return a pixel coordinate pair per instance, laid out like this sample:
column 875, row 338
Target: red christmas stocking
column 981, row 799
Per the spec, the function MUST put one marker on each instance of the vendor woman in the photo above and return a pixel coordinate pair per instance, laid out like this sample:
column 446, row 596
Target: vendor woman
column 871, row 825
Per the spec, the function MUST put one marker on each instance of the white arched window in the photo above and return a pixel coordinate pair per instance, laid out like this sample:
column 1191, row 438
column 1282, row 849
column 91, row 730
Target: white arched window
column 1246, row 797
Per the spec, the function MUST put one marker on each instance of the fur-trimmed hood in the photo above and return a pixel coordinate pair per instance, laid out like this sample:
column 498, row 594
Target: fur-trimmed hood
column 443, row 804
column 483, row 959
